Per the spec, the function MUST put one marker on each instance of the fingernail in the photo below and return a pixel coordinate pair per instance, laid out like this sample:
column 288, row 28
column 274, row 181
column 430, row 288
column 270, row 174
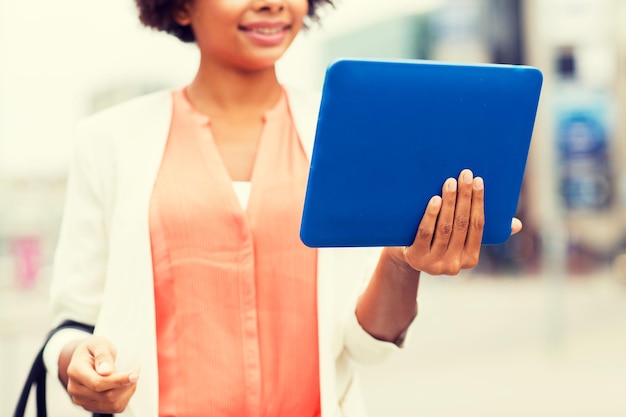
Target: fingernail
column 468, row 177
column 134, row 377
column 451, row 184
column 478, row 183
column 435, row 201
column 104, row 367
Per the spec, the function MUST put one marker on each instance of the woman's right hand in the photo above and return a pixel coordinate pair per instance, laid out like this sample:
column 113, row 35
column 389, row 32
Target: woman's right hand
column 87, row 369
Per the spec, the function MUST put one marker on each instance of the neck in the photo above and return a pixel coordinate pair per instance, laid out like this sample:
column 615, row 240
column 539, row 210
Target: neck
column 228, row 92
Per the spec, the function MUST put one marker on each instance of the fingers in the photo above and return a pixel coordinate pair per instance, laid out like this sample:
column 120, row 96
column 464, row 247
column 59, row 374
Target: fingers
column 477, row 218
column 462, row 211
column 92, row 362
column 93, row 382
column 449, row 236
column 445, row 221
column 516, row 225
column 96, row 383
column 97, row 387
column 104, row 354
column 424, row 237
column 108, row 401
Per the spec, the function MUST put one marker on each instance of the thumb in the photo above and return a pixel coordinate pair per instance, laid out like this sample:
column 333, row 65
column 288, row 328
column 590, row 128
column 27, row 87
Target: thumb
column 104, row 357
column 516, row 225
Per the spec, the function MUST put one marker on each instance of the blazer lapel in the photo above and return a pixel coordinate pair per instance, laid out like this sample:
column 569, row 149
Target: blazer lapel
column 304, row 107
column 140, row 135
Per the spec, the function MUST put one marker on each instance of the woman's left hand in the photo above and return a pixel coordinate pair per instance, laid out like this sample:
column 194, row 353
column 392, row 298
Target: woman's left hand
column 450, row 233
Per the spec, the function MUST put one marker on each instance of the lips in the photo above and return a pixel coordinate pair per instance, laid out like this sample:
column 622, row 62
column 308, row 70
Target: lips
column 265, row 26
column 266, row 33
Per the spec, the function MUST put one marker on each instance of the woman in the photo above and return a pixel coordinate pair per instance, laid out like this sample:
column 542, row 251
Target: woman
column 180, row 242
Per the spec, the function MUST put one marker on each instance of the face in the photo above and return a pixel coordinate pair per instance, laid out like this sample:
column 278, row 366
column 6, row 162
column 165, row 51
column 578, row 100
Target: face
column 247, row 34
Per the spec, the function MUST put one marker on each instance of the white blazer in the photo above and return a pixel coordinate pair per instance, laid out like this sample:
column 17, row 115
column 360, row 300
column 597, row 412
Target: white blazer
column 103, row 268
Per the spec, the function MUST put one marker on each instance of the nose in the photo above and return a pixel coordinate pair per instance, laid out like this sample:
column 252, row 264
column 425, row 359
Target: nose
column 271, row 6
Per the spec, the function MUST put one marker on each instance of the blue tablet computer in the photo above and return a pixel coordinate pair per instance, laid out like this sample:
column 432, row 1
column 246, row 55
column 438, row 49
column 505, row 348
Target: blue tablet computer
column 389, row 134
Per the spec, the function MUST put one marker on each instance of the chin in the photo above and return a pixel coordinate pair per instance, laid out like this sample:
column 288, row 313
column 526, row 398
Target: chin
column 260, row 63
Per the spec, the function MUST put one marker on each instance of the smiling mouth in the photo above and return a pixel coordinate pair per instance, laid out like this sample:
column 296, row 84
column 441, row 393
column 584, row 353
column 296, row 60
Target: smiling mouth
column 268, row 31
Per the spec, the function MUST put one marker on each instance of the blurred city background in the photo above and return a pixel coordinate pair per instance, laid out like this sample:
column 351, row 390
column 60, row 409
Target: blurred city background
column 538, row 329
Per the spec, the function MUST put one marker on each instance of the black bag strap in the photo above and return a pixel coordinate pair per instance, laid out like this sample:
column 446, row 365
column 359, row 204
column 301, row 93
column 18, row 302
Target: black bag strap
column 37, row 375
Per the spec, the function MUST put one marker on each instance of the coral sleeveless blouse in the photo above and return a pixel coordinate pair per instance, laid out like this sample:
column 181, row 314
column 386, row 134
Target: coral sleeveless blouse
column 235, row 289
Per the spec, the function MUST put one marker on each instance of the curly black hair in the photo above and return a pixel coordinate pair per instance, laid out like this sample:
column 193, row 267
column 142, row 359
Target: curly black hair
column 159, row 15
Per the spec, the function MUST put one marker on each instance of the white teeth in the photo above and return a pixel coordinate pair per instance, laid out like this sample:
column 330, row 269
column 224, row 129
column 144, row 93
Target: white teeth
column 268, row 31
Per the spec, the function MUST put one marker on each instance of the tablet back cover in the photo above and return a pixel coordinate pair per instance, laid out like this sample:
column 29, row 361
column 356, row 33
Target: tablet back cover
column 391, row 132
